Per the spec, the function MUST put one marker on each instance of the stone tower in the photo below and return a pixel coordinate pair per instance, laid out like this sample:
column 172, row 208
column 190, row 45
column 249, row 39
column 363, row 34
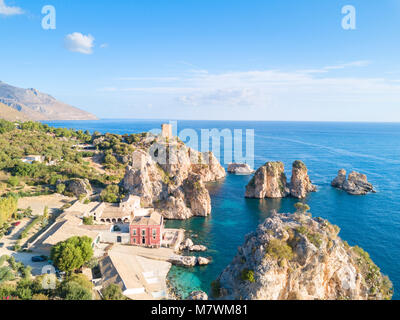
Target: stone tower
column 166, row 131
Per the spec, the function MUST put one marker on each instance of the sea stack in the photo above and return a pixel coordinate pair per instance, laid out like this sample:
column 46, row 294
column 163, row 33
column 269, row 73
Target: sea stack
column 300, row 184
column 270, row 181
column 355, row 184
column 297, row 257
column 240, row 168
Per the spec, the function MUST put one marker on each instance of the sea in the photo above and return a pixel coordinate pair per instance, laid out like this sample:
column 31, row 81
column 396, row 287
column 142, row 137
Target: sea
column 371, row 221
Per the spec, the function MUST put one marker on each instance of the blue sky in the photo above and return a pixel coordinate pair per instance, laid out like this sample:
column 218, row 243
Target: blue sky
column 209, row 59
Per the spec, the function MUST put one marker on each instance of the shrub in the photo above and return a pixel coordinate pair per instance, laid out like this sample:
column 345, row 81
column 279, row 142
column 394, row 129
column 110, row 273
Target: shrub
column 216, row 288
column 110, row 194
column 88, row 221
column 247, row 275
column 60, row 188
column 71, row 290
column 279, row 250
column 112, row 292
column 13, row 181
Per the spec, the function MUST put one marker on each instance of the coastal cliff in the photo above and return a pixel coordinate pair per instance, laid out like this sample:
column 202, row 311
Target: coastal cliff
column 173, row 181
column 270, row 181
column 297, row 257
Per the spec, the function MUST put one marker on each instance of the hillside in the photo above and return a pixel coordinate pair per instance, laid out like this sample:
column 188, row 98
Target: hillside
column 40, row 106
column 10, row 114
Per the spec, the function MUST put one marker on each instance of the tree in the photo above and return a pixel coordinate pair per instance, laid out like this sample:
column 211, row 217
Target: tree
column 13, row 181
column 88, row 221
column 110, row 194
column 302, row 207
column 6, row 274
column 112, row 292
column 71, row 254
column 73, row 290
column 8, row 206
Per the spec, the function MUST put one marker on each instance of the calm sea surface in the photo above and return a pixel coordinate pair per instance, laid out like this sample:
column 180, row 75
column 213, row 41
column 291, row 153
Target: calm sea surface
column 371, row 221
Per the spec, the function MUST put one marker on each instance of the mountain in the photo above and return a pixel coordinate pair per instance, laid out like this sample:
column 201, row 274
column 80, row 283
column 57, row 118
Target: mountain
column 10, row 114
column 36, row 105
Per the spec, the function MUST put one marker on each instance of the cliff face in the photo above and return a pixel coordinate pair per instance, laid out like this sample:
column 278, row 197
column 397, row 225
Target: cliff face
column 173, row 182
column 300, row 184
column 270, row 181
column 296, row 257
column 355, row 184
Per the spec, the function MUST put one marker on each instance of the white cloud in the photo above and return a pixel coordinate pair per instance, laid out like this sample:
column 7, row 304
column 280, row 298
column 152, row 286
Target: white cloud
column 104, row 45
column 9, row 11
column 322, row 94
column 78, row 42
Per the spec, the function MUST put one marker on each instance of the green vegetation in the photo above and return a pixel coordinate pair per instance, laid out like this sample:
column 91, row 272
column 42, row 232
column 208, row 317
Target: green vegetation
column 112, row 292
column 299, row 165
column 279, row 250
column 88, row 221
column 313, row 237
column 302, row 207
column 247, row 275
column 110, row 194
column 71, row 254
column 8, row 206
column 34, row 222
column 371, row 272
column 216, row 288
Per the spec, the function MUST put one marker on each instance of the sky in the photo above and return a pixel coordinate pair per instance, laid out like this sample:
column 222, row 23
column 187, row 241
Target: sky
column 284, row 60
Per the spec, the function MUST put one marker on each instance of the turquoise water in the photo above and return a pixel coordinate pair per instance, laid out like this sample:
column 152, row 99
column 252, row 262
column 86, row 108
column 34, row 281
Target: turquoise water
column 371, row 221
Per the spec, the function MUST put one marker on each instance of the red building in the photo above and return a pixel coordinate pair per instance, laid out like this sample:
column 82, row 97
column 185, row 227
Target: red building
column 147, row 231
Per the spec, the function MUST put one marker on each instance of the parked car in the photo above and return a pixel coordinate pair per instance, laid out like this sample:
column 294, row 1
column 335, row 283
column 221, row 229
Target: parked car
column 1, row 245
column 38, row 259
column 16, row 224
column 9, row 231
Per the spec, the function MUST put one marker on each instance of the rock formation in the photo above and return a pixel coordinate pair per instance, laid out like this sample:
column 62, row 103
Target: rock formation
column 270, row 181
column 171, row 177
column 300, row 184
column 198, row 295
column 355, row 184
column 240, row 168
column 189, row 245
column 297, row 257
column 78, row 186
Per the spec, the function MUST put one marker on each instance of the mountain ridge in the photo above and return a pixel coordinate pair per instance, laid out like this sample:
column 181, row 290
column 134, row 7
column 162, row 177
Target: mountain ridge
column 35, row 105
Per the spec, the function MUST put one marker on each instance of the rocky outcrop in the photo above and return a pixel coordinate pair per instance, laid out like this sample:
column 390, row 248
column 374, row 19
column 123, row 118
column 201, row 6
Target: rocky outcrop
column 300, row 184
column 240, row 168
column 78, row 186
column 355, row 184
column 189, row 245
column 171, row 177
column 270, row 181
column 183, row 261
column 297, row 257
column 203, row 261
column 198, row 295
